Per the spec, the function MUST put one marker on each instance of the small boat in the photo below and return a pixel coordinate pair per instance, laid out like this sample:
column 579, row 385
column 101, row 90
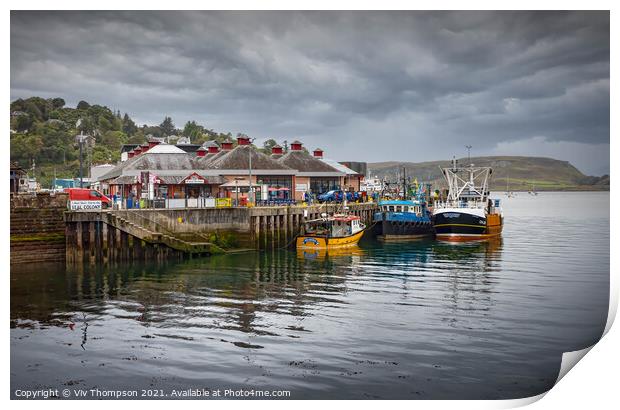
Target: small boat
column 404, row 218
column 328, row 232
column 468, row 213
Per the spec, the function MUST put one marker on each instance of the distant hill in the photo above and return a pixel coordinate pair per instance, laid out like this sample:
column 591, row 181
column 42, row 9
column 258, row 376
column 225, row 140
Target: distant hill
column 545, row 174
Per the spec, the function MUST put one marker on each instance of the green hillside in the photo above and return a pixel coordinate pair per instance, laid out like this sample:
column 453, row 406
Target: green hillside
column 519, row 173
column 43, row 132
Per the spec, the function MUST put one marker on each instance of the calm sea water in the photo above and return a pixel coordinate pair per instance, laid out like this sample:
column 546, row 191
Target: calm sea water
column 423, row 320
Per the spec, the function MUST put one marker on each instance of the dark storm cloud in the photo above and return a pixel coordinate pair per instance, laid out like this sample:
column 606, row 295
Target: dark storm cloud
column 359, row 84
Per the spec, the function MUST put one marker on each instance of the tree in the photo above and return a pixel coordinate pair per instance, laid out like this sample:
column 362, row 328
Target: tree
column 23, row 122
column 129, row 127
column 268, row 145
column 113, row 140
column 167, row 127
column 56, row 103
column 83, row 105
column 193, row 130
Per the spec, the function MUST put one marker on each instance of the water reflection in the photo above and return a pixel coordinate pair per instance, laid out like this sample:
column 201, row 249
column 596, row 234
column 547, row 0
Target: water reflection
column 231, row 292
column 417, row 319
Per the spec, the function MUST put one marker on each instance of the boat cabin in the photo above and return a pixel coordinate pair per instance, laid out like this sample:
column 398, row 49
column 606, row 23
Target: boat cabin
column 401, row 206
column 334, row 227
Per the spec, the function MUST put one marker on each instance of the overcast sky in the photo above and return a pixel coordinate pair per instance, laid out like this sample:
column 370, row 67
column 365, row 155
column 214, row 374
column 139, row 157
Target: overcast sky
column 372, row 86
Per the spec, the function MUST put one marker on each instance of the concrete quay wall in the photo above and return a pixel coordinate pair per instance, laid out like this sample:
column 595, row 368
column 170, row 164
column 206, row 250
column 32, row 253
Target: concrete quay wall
column 88, row 233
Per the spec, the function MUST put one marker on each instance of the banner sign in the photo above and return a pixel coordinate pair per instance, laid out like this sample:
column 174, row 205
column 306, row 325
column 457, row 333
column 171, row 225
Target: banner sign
column 194, row 179
column 301, row 187
column 84, row 205
column 223, row 202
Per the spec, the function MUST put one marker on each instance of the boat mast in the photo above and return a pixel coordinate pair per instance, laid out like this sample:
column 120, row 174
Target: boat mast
column 404, row 184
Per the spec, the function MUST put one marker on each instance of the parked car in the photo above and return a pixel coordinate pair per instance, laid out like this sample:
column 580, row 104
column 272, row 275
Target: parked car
column 334, row 195
column 85, row 194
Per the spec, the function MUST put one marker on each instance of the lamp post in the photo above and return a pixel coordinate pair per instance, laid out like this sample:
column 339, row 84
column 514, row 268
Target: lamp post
column 237, row 179
column 250, row 186
column 80, row 139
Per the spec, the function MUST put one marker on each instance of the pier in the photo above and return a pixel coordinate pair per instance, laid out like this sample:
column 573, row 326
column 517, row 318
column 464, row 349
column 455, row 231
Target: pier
column 150, row 234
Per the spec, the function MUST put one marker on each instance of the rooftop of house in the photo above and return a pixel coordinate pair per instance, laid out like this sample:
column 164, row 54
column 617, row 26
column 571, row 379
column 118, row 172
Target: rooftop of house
column 306, row 163
column 340, row 167
column 128, row 147
column 239, row 159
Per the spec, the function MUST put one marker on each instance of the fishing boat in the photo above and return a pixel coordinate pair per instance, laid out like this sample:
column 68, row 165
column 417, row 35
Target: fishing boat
column 467, row 213
column 405, row 218
column 329, row 232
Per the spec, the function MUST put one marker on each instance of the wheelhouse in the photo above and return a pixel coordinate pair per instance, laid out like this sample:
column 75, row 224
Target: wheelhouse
column 413, row 207
column 334, row 227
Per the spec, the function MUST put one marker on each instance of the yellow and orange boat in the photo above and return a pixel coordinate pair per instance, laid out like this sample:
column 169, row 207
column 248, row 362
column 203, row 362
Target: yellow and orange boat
column 337, row 231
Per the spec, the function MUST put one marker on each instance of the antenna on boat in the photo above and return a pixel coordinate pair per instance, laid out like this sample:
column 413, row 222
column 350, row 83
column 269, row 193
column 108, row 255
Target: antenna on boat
column 468, row 153
column 404, row 183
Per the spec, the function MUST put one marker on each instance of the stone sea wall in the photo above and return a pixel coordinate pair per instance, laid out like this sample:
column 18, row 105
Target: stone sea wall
column 38, row 228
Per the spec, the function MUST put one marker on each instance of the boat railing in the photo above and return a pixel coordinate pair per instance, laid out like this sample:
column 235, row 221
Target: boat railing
column 460, row 204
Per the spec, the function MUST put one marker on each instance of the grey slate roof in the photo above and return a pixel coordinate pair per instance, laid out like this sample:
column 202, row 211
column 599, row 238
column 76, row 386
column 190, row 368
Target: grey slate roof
column 306, row 163
column 202, row 162
column 150, row 162
column 238, row 159
column 125, row 179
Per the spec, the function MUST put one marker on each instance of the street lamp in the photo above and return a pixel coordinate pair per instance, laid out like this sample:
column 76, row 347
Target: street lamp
column 80, row 140
column 250, row 186
column 237, row 179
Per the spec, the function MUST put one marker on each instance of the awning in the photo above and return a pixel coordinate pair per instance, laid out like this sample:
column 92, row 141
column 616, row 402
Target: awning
column 181, row 179
column 124, row 180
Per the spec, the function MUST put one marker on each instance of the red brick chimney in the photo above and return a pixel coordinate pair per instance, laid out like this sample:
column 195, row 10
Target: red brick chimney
column 318, row 153
column 145, row 147
column 227, row 146
column 243, row 140
column 201, row 152
column 296, row 146
column 276, row 150
column 152, row 143
column 130, row 154
column 137, row 151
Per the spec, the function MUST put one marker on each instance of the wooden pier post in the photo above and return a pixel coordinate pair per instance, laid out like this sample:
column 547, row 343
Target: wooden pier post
column 104, row 242
column 91, row 242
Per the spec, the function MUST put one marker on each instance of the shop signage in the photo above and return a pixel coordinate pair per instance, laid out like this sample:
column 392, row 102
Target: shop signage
column 84, row 205
column 301, row 187
column 194, row 179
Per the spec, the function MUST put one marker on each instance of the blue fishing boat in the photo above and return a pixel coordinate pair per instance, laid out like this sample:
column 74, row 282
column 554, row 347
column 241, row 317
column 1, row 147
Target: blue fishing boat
column 406, row 218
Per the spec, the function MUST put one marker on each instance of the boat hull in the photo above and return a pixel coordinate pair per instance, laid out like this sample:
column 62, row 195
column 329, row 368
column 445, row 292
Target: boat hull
column 462, row 225
column 321, row 242
column 402, row 230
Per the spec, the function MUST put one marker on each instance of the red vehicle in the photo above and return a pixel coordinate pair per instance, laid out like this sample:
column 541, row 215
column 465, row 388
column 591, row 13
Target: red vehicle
column 84, row 194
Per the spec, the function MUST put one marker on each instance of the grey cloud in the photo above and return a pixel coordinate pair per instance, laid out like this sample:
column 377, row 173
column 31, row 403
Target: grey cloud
column 405, row 78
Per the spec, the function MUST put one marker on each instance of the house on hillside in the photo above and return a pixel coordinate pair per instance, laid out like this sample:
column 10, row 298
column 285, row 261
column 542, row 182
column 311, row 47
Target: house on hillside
column 19, row 179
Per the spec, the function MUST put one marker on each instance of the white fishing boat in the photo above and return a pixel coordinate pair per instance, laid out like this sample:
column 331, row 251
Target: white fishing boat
column 467, row 213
